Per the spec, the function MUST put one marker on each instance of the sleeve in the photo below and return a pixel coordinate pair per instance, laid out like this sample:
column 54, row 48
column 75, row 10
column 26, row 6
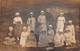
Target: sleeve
column 73, row 30
column 53, row 33
column 21, row 34
column 34, row 20
column 64, row 20
column 57, row 21
column 28, row 29
column 39, row 19
column 28, row 21
column 14, row 21
column 21, row 21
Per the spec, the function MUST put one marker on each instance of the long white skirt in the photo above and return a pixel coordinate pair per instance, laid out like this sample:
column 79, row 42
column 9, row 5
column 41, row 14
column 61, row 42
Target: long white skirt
column 23, row 41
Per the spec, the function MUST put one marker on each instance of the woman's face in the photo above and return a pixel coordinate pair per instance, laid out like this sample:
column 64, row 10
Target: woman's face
column 24, row 30
column 43, row 32
column 10, row 30
column 31, row 15
column 50, row 28
column 42, row 13
column 61, row 15
column 17, row 15
column 70, row 23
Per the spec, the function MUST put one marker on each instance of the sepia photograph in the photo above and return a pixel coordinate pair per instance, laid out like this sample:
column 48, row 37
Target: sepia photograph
column 39, row 25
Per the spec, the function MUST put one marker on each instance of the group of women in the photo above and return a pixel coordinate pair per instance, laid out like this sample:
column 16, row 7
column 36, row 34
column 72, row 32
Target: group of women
column 46, row 33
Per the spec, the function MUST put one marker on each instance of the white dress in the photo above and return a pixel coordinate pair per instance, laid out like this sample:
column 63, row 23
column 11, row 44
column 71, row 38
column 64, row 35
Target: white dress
column 16, row 19
column 72, row 32
column 32, row 23
column 60, row 24
column 42, row 40
column 67, row 39
column 50, row 36
column 23, row 39
column 59, row 40
column 42, row 19
column 42, row 23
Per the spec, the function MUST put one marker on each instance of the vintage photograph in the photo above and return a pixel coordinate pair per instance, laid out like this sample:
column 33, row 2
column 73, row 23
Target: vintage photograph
column 39, row 25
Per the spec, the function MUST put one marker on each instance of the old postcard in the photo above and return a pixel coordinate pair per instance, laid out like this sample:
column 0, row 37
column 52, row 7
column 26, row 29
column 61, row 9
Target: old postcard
column 39, row 25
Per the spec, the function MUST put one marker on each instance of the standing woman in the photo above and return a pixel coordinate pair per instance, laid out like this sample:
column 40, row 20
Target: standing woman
column 60, row 22
column 24, row 36
column 42, row 21
column 70, row 26
column 31, row 22
column 18, row 25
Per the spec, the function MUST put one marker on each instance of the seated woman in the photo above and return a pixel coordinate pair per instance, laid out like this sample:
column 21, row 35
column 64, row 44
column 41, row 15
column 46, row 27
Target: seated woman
column 70, row 26
column 50, row 34
column 67, row 37
column 43, row 39
column 31, row 41
column 50, row 37
column 59, row 39
column 10, row 39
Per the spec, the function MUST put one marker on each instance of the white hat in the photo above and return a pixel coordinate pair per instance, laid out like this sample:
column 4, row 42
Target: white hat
column 24, row 28
column 70, row 21
column 60, row 30
column 43, row 30
column 11, row 28
column 50, row 26
column 61, row 13
column 42, row 11
column 31, row 12
column 17, row 13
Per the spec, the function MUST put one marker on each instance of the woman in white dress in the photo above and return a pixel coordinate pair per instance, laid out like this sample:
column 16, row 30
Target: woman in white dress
column 9, row 40
column 70, row 26
column 18, row 25
column 50, row 34
column 59, row 39
column 42, row 21
column 42, row 39
column 60, row 22
column 31, row 22
column 50, row 37
column 24, row 36
column 67, row 37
